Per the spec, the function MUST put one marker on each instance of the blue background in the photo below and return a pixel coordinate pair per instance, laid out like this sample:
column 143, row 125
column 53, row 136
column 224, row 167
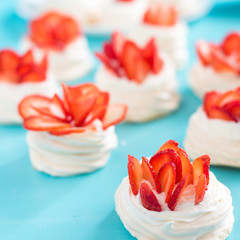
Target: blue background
column 36, row 206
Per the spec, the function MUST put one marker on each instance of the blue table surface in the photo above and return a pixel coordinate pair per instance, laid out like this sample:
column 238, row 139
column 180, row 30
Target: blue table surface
column 36, row 206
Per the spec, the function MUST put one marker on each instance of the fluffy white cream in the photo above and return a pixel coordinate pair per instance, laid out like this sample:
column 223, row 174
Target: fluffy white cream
column 71, row 63
column 12, row 94
column 204, row 79
column 155, row 97
column 218, row 138
column 172, row 40
column 71, row 154
column 212, row 219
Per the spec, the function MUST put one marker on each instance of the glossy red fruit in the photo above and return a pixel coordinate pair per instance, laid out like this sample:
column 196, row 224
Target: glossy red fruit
column 118, row 41
column 220, row 113
column 33, row 75
column 201, row 188
column 66, row 131
column 166, row 156
column 175, row 197
column 233, row 109
column 148, row 199
column 142, row 69
column 134, row 174
column 150, row 175
column 27, row 58
column 187, row 169
column 231, row 44
column 210, row 100
column 9, row 61
column 167, row 179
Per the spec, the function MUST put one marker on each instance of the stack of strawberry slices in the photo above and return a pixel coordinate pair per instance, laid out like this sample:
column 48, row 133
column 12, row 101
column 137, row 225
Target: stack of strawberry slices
column 161, row 22
column 218, row 67
column 19, row 77
column 216, row 124
column 60, row 37
column 139, row 77
column 167, row 196
column 73, row 134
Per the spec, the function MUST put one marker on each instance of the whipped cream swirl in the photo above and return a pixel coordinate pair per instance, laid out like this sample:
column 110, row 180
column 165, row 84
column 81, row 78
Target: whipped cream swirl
column 73, row 153
column 11, row 94
column 73, row 62
column 212, row 219
column 155, row 97
column 204, row 79
column 172, row 39
column 218, row 138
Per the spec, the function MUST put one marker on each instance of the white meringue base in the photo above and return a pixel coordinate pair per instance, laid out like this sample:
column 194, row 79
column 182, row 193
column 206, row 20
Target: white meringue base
column 204, row 79
column 155, row 97
column 212, row 219
column 171, row 40
column 218, row 138
column 73, row 62
column 71, row 154
column 12, row 94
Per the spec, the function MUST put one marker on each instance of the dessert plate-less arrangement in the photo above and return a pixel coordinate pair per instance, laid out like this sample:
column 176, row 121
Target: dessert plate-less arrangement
column 168, row 197
column 73, row 134
column 139, row 77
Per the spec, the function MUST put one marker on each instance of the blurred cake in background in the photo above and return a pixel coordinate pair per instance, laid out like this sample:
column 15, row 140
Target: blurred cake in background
column 21, row 76
column 218, row 66
column 161, row 22
column 139, row 77
column 61, row 38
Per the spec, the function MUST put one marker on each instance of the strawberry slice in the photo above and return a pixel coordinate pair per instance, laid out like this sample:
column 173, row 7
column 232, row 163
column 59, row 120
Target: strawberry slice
column 233, row 109
column 201, row 166
column 32, row 76
column 118, row 41
column 43, row 65
column 187, row 168
column 227, row 97
column 173, row 201
column 167, row 179
column 114, row 114
column 108, row 50
column 150, row 175
column 43, row 123
column 142, row 69
column 27, row 58
column 210, row 100
column 167, row 156
column 201, row 188
column 134, row 174
column 220, row 113
column 148, row 199
column 9, row 61
column 66, row 131
column 231, row 44
column 25, row 107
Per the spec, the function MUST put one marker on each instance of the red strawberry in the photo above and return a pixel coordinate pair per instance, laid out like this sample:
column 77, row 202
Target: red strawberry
column 150, row 175
column 227, row 97
column 44, row 123
column 108, row 50
column 9, row 61
column 167, row 179
column 187, row 168
column 231, row 44
column 148, row 199
column 210, row 100
column 201, row 166
column 201, row 188
column 27, row 58
column 166, row 156
column 134, row 174
column 220, row 113
column 173, row 201
column 142, row 69
column 114, row 114
column 118, row 40
column 233, row 108
column 32, row 76
column 66, row 131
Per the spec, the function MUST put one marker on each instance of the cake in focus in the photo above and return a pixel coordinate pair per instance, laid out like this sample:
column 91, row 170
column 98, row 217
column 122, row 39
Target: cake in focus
column 60, row 37
column 218, row 67
column 138, row 77
column 21, row 75
column 71, row 135
column 168, row 197
column 214, row 129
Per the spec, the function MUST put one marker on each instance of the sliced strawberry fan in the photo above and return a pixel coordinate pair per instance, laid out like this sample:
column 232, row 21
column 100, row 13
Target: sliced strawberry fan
column 161, row 15
column 170, row 171
column 54, row 31
column 225, row 106
column 223, row 57
column 75, row 113
column 21, row 69
column 125, row 59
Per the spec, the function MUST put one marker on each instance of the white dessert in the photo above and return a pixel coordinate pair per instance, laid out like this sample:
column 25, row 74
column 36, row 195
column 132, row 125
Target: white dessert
column 172, row 39
column 212, row 219
column 155, row 97
column 204, row 79
column 11, row 94
column 73, row 62
column 218, row 138
column 73, row 153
